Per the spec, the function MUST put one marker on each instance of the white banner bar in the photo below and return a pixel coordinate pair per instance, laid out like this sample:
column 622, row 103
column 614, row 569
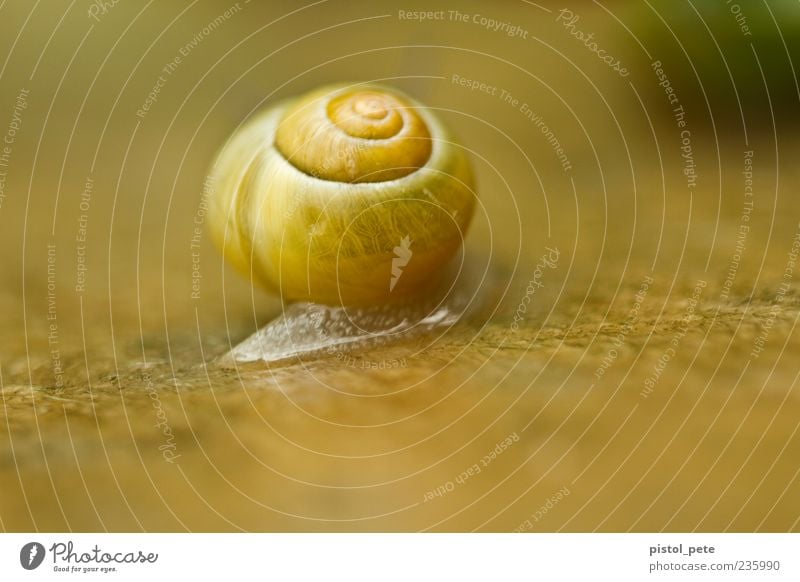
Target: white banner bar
column 401, row 557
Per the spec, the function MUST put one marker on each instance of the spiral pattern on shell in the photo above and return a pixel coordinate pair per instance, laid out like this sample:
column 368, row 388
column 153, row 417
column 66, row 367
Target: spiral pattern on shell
column 346, row 195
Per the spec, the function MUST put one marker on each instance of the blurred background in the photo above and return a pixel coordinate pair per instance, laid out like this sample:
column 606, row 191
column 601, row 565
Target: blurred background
column 649, row 385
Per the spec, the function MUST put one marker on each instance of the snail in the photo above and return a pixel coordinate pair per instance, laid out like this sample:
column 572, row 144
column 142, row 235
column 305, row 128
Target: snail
column 347, row 195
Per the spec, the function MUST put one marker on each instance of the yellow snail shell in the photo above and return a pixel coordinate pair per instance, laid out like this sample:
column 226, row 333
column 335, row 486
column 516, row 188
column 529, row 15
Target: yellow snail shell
column 348, row 195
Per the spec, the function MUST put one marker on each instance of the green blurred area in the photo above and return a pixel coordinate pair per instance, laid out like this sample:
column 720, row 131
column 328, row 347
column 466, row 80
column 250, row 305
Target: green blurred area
column 732, row 61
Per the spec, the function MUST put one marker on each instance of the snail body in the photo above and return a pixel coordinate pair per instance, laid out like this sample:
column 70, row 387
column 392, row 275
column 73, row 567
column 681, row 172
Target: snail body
column 344, row 196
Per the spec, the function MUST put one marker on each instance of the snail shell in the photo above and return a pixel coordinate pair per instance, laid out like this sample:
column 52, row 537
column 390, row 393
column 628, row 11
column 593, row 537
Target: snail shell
column 348, row 195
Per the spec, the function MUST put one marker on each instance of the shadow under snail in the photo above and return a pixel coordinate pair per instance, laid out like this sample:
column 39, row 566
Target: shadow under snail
column 348, row 195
